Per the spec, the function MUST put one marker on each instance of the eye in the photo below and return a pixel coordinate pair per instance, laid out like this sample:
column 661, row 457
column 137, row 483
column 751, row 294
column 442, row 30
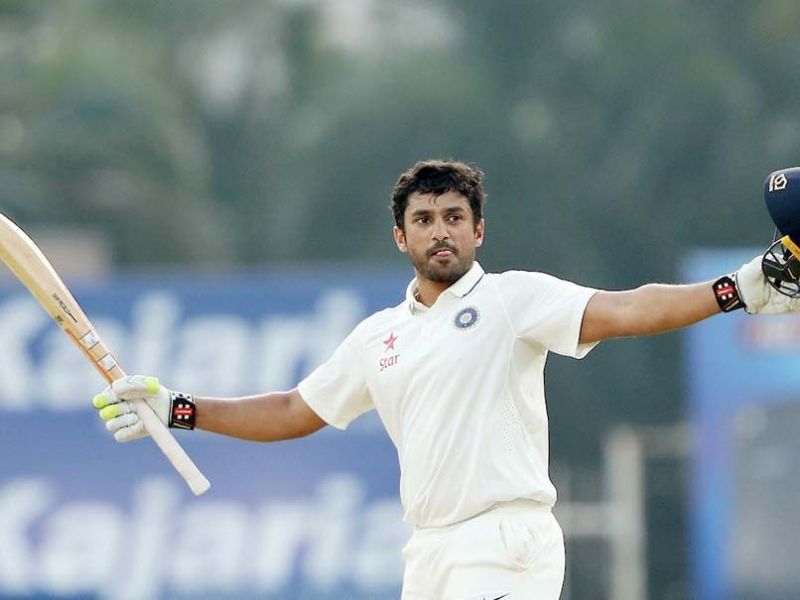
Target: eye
column 453, row 218
column 423, row 220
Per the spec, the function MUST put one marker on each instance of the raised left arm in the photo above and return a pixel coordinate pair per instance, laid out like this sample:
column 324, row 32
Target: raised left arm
column 647, row 310
column 658, row 308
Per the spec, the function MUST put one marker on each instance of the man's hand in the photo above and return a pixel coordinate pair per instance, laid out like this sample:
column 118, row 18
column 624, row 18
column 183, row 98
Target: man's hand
column 116, row 408
column 758, row 295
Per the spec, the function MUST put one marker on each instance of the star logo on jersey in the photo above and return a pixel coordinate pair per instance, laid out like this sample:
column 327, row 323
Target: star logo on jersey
column 389, row 342
column 389, row 361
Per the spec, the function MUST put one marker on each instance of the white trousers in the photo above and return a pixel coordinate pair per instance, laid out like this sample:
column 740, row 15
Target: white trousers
column 513, row 551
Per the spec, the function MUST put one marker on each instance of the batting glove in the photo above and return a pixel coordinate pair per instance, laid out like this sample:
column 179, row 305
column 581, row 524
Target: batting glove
column 758, row 295
column 116, row 408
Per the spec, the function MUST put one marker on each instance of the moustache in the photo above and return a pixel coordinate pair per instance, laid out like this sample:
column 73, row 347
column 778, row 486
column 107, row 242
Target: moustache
column 438, row 247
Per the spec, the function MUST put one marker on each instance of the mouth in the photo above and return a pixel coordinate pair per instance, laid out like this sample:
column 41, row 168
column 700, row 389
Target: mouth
column 440, row 252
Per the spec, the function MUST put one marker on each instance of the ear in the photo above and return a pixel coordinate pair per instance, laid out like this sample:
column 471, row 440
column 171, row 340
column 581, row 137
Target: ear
column 400, row 239
column 479, row 230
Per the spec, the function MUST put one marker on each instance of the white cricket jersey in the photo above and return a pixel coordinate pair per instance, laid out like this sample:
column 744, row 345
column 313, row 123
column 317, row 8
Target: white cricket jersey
column 459, row 387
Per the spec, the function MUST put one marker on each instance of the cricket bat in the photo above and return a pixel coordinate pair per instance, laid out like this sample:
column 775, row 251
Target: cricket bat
column 32, row 268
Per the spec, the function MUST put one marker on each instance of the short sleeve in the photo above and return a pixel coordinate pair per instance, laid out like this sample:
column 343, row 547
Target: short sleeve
column 546, row 310
column 337, row 390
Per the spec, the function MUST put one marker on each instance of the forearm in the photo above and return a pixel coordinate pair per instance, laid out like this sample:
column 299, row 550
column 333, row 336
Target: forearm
column 660, row 308
column 650, row 309
column 264, row 417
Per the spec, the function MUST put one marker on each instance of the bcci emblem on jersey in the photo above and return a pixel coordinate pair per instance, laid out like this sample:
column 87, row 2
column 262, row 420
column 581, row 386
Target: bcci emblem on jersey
column 466, row 318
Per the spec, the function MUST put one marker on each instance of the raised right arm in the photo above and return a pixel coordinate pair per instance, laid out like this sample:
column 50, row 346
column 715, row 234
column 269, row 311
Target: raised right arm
column 261, row 418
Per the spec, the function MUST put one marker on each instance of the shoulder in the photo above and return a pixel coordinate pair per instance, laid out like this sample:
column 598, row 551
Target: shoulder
column 377, row 322
column 512, row 280
column 535, row 287
column 380, row 318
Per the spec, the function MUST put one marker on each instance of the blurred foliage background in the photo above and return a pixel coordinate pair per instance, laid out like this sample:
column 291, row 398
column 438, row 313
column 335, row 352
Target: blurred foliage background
column 614, row 135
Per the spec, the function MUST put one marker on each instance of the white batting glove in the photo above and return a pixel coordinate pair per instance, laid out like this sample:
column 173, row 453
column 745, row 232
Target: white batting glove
column 758, row 295
column 116, row 408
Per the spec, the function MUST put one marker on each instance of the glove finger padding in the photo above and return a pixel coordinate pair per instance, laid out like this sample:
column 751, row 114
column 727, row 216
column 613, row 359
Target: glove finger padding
column 117, row 408
column 105, row 398
column 136, row 386
column 757, row 293
column 127, row 427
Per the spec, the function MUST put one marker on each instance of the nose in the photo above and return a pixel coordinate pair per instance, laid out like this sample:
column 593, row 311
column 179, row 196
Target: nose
column 440, row 230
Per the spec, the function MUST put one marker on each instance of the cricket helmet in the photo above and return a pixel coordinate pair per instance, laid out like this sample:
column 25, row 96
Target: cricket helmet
column 781, row 262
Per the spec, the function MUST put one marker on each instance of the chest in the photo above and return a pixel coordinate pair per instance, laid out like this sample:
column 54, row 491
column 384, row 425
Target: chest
column 429, row 350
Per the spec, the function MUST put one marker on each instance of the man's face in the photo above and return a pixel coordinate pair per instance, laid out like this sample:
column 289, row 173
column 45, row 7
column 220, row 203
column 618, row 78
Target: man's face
column 440, row 236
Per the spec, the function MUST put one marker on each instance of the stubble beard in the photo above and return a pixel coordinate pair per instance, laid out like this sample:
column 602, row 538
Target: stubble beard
column 427, row 268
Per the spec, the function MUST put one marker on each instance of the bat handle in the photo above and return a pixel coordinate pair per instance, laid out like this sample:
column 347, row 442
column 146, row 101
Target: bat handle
column 172, row 450
column 160, row 433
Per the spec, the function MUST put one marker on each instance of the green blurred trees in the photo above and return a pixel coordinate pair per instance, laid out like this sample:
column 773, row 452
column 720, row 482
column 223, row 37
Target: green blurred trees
column 103, row 136
column 252, row 132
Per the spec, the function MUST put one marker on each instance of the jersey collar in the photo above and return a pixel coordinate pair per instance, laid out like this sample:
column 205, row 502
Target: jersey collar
column 460, row 288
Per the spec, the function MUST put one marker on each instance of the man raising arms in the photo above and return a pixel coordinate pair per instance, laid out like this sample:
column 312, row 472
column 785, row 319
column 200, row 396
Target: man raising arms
column 455, row 372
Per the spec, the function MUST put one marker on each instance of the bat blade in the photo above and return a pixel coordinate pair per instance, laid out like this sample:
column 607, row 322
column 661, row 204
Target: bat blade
column 31, row 267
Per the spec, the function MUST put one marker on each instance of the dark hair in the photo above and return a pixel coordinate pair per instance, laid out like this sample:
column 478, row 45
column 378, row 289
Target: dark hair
column 439, row 177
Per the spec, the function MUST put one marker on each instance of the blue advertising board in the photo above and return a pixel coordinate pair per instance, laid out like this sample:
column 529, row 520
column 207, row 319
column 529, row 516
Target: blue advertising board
column 744, row 390
column 83, row 516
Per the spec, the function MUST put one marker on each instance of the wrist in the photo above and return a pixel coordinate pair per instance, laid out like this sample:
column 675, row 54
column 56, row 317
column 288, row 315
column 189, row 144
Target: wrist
column 182, row 410
column 727, row 293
